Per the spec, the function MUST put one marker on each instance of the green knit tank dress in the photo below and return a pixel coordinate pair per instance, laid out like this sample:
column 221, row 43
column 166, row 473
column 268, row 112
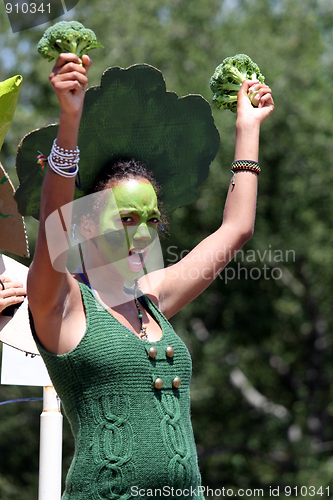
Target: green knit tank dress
column 131, row 439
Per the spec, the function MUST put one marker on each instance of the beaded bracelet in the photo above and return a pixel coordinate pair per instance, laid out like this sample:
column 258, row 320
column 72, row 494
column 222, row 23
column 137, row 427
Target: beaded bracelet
column 245, row 165
column 64, row 162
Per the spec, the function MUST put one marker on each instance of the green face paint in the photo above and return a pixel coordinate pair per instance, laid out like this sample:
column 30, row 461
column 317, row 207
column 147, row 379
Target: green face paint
column 129, row 225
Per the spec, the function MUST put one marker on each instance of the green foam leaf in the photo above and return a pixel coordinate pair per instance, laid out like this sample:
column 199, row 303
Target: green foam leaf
column 131, row 115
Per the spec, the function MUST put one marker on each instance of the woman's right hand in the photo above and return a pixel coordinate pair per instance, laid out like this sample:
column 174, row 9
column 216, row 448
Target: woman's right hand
column 69, row 80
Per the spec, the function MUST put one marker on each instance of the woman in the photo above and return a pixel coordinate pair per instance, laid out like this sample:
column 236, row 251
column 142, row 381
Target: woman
column 120, row 370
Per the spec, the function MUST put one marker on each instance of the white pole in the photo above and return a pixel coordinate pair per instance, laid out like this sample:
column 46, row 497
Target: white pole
column 50, row 452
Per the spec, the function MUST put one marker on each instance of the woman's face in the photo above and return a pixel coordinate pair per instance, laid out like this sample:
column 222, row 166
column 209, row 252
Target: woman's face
column 128, row 225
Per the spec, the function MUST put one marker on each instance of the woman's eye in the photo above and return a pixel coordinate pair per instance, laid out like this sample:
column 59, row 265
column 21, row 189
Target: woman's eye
column 154, row 220
column 126, row 220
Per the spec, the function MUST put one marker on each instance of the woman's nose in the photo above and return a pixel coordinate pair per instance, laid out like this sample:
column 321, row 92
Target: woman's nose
column 142, row 232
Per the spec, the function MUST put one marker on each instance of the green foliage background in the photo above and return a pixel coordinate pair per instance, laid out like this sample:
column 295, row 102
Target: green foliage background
column 261, row 340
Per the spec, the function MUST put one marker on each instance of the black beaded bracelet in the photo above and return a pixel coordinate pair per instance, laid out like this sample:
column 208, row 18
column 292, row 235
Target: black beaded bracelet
column 245, row 165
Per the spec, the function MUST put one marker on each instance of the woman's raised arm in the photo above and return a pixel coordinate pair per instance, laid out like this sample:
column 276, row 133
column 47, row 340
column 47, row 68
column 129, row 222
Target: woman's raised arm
column 48, row 288
column 186, row 279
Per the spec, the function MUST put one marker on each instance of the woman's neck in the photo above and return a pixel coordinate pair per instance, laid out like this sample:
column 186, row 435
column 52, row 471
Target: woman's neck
column 107, row 283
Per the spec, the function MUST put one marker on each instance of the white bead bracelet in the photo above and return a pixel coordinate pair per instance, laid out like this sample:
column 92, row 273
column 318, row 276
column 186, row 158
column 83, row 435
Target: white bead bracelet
column 64, row 162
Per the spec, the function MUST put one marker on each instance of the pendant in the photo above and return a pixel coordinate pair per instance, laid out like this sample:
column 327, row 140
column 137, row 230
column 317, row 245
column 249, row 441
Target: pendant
column 143, row 334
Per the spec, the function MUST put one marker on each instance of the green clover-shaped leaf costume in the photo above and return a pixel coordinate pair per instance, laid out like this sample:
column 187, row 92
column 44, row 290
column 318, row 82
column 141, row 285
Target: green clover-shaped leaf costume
column 131, row 115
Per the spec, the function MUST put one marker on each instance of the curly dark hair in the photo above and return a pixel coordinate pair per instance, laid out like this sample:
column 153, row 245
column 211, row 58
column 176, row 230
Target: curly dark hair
column 115, row 171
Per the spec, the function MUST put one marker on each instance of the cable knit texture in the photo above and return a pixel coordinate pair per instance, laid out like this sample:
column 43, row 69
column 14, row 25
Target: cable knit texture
column 128, row 435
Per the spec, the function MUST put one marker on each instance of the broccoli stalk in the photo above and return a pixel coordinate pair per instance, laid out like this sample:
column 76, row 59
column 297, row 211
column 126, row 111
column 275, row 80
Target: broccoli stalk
column 228, row 78
column 67, row 36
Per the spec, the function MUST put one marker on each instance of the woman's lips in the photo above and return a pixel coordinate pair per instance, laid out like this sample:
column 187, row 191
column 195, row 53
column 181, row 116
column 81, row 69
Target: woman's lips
column 136, row 259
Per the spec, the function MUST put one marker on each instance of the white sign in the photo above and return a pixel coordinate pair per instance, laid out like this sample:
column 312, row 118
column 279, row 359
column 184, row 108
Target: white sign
column 21, row 362
column 19, row 368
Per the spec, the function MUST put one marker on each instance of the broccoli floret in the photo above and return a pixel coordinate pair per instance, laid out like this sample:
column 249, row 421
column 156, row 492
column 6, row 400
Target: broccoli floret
column 67, row 36
column 228, row 78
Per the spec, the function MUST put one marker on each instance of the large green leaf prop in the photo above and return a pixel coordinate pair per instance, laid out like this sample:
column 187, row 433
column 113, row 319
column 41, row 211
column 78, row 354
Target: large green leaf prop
column 13, row 236
column 9, row 91
column 131, row 115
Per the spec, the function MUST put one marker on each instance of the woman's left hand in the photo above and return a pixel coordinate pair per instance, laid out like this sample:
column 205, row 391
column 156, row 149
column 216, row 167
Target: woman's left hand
column 246, row 111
